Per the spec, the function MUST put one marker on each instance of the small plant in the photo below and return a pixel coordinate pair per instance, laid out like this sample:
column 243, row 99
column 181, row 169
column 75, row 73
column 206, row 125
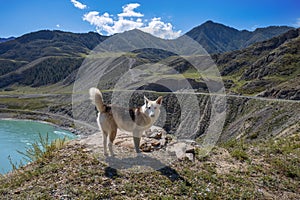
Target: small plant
column 237, row 149
column 230, row 144
column 42, row 149
column 239, row 154
column 14, row 165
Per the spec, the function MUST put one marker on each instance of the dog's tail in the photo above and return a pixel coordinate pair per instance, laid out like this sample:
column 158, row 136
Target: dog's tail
column 97, row 100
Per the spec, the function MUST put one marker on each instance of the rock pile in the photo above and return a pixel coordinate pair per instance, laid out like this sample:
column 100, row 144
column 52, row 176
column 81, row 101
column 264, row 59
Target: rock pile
column 158, row 140
column 154, row 140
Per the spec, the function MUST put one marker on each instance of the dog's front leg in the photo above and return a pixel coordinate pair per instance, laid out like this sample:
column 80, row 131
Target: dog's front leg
column 105, row 143
column 137, row 139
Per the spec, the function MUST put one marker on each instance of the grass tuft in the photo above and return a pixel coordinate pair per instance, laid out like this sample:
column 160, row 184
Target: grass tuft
column 42, row 149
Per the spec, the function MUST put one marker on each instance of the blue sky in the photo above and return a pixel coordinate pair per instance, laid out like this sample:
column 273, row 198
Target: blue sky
column 164, row 18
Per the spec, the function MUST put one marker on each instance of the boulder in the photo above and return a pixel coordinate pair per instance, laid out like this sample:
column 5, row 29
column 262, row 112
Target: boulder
column 182, row 150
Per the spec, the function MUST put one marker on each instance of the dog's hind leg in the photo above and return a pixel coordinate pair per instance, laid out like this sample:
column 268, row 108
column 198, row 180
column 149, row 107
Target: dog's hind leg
column 105, row 143
column 112, row 137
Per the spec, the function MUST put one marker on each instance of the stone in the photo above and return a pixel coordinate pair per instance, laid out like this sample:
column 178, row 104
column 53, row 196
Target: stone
column 190, row 149
column 156, row 135
column 179, row 149
column 163, row 142
column 190, row 156
column 168, row 138
column 146, row 147
column 155, row 143
column 182, row 151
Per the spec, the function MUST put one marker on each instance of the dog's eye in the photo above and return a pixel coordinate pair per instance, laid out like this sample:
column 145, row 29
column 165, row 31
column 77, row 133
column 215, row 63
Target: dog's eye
column 149, row 107
column 155, row 107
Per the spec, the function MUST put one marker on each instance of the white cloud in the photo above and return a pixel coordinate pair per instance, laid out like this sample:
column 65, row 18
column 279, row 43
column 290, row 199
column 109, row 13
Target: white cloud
column 161, row 29
column 95, row 19
column 105, row 24
column 57, row 25
column 79, row 5
column 128, row 11
column 124, row 25
column 128, row 20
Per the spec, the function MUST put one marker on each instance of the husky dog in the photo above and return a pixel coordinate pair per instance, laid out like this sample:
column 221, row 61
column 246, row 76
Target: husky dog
column 135, row 120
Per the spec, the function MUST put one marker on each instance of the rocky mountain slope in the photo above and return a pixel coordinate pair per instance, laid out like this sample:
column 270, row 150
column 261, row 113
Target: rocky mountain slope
column 218, row 38
column 270, row 68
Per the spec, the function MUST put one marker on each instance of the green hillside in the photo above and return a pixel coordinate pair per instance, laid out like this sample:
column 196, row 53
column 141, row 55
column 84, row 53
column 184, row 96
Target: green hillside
column 44, row 57
column 49, row 43
column 269, row 68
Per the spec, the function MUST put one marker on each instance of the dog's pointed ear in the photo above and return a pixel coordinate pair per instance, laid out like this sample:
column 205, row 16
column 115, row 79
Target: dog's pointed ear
column 159, row 100
column 146, row 100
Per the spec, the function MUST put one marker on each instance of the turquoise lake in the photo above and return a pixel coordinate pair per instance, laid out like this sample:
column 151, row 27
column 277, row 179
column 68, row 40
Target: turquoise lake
column 17, row 135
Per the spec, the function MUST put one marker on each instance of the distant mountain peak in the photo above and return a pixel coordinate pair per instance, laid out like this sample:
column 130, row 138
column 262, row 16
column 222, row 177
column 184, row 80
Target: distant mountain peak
column 219, row 38
column 209, row 22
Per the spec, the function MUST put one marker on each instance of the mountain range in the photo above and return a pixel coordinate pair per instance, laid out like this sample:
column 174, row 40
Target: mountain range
column 218, row 38
column 257, row 62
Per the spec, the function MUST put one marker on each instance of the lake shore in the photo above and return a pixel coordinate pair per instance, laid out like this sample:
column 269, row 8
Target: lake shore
column 76, row 127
